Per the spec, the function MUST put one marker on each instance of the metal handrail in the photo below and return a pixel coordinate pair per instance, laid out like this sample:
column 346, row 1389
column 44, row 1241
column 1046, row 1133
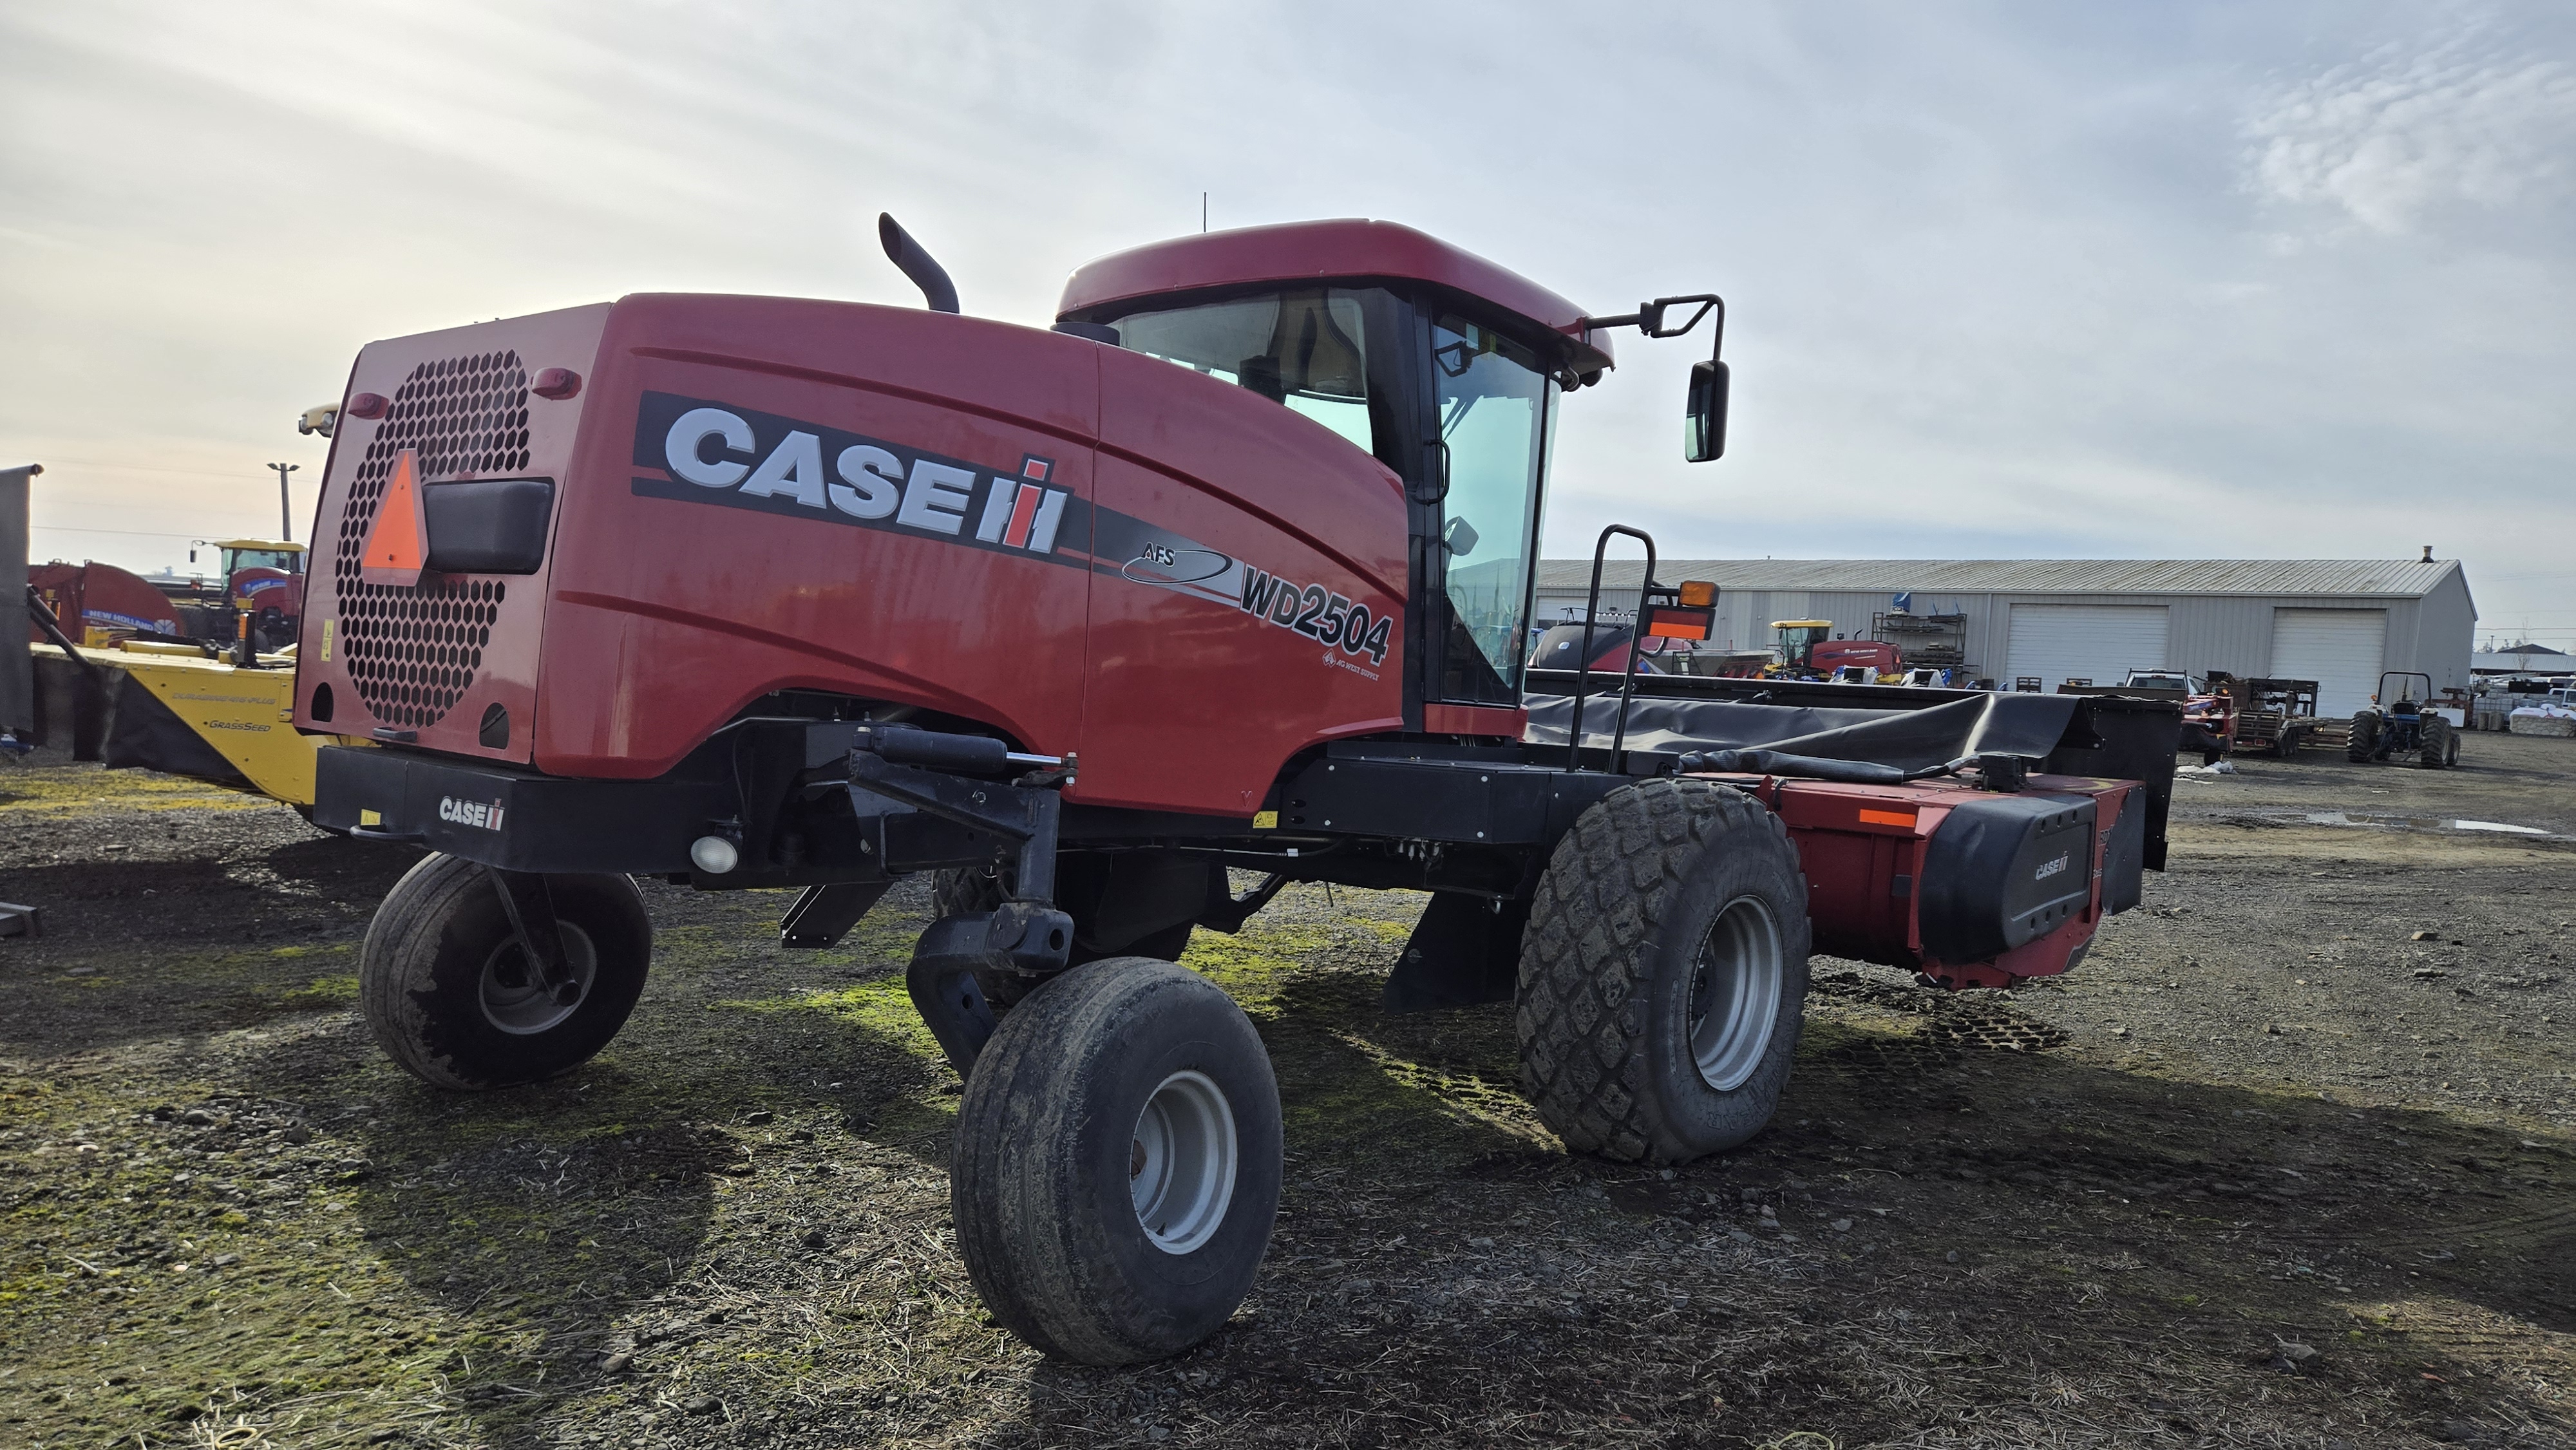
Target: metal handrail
column 1583, row 666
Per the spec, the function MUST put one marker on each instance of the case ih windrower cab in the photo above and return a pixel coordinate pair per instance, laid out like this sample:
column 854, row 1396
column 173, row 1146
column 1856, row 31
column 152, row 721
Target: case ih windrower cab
column 1229, row 571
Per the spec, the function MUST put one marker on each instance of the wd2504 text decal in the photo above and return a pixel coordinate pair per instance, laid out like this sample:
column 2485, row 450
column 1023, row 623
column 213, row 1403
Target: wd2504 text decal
column 1317, row 613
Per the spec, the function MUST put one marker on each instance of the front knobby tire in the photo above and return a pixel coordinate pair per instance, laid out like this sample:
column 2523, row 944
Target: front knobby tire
column 1664, row 974
column 1116, row 1166
column 448, row 991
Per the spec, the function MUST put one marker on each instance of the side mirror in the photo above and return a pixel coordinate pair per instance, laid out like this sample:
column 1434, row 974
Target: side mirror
column 1704, row 417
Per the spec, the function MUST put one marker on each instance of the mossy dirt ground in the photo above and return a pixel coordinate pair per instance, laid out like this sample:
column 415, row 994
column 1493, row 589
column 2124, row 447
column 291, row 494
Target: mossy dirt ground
column 2211, row 1189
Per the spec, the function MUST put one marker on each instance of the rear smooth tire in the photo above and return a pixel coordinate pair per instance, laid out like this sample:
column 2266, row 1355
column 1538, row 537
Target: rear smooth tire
column 448, row 992
column 1664, row 973
column 1117, row 1161
column 2440, row 745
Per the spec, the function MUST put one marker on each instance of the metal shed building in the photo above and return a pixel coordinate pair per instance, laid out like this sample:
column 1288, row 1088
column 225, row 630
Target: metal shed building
column 2339, row 622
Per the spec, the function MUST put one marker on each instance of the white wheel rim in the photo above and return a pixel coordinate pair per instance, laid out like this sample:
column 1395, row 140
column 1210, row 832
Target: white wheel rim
column 1735, row 993
column 1180, row 1168
column 516, row 1003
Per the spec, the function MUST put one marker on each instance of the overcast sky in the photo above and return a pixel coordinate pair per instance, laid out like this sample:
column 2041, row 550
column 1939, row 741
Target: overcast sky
column 2170, row 280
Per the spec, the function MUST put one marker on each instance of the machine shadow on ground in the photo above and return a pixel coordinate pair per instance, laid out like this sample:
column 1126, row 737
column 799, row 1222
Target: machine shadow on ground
column 2184, row 1257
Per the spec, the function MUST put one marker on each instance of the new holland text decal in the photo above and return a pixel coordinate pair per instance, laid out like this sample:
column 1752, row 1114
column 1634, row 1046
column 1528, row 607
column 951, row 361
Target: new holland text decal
column 718, row 453
column 737, row 457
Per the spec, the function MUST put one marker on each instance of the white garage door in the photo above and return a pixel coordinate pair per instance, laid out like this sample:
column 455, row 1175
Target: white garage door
column 2097, row 642
column 2340, row 649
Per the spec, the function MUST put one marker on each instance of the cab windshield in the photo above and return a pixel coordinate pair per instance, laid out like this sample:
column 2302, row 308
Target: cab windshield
column 289, row 560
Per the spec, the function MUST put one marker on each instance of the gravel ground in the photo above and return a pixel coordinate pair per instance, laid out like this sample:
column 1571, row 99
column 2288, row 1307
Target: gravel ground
column 2287, row 1161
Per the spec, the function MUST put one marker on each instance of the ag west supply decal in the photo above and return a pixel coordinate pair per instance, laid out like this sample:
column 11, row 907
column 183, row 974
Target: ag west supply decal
column 721, row 454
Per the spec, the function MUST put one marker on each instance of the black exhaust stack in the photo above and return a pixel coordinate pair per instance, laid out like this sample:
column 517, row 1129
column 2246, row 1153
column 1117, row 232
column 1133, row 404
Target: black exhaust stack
column 936, row 290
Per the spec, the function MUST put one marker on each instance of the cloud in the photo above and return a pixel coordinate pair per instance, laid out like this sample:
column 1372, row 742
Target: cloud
column 2406, row 136
column 1993, row 282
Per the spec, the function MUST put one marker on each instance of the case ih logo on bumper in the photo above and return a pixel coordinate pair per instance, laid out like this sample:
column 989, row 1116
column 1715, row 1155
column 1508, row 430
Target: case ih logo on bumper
column 719, row 453
column 481, row 815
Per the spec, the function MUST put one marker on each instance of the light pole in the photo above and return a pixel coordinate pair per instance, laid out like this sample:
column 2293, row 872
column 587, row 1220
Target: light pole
column 285, row 510
column 17, row 667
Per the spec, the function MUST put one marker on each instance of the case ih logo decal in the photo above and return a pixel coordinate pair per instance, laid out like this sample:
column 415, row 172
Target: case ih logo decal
column 717, row 453
column 722, row 454
column 481, row 815
column 2051, row 869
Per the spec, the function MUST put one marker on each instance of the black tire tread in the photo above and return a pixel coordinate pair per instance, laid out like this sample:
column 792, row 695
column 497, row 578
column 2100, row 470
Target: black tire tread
column 2437, row 743
column 406, row 925
column 1602, row 896
column 1010, row 1162
column 405, row 930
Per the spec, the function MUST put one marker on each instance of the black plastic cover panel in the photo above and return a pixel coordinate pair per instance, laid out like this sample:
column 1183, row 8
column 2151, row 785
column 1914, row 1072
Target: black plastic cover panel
column 2124, row 862
column 491, row 526
column 1909, row 737
column 2004, row 871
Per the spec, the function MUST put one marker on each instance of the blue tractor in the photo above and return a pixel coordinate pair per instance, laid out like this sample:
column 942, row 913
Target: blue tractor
column 2403, row 724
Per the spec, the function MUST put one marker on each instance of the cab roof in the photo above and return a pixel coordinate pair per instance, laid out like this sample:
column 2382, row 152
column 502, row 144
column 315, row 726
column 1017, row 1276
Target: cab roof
column 275, row 546
column 1346, row 249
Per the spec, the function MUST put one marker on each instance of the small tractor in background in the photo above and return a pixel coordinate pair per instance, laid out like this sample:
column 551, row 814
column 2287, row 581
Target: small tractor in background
column 2403, row 723
column 1228, row 570
column 261, row 595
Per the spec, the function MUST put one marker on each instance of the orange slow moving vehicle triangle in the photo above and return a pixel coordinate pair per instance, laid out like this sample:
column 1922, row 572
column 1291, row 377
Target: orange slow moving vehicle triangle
column 398, row 542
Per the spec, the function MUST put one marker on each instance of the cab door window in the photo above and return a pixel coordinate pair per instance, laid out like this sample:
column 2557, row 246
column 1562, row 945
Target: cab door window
column 1493, row 403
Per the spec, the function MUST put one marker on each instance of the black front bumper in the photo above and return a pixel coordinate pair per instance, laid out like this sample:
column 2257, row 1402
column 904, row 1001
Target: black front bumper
column 515, row 820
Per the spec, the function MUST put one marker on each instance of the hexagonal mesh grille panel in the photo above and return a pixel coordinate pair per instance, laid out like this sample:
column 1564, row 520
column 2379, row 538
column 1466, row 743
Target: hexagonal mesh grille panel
column 412, row 651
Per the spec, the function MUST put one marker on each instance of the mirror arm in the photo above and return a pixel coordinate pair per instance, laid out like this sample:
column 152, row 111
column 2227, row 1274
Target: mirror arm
column 1649, row 316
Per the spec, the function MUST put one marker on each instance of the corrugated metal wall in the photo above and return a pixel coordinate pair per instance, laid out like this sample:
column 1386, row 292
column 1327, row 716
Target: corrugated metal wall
column 2207, row 632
